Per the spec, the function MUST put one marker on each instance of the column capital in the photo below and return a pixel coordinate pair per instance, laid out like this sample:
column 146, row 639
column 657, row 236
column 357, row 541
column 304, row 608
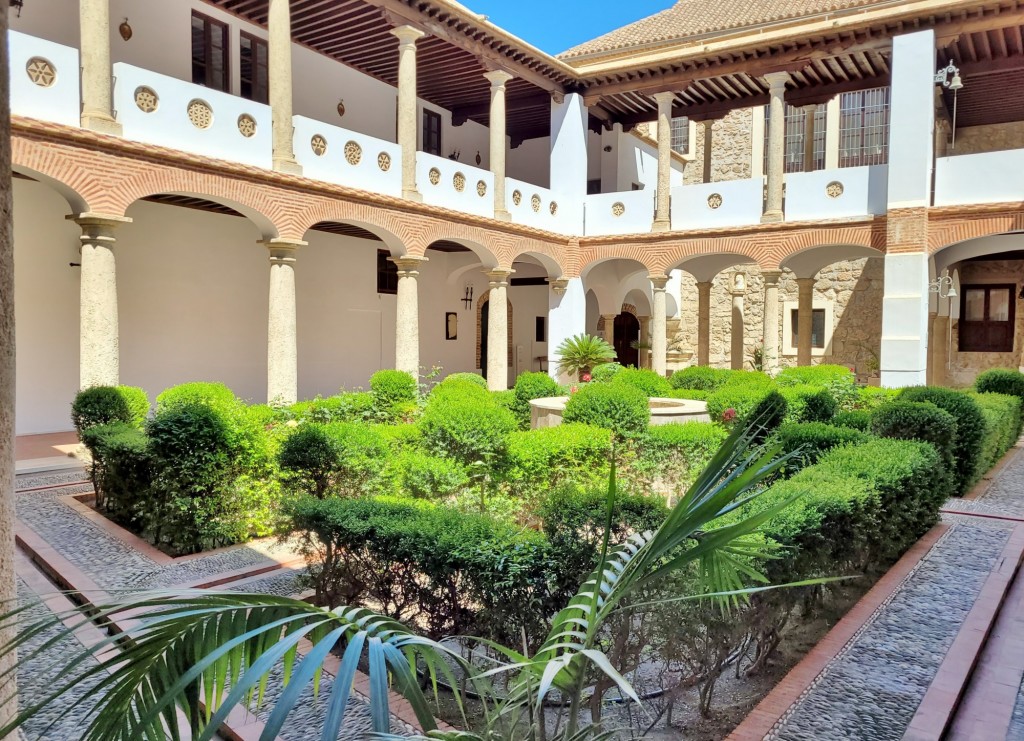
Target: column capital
column 658, row 282
column 282, row 250
column 777, row 81
column 498, row 277
column 498, row 77
column 666, row 96
column 557, row 97
column 408, row 35
column 771, row 277
column 806, row 282
column 559, row 285
column 90, row 218
column 608, row 317
column 408, row 265
column 705, row 285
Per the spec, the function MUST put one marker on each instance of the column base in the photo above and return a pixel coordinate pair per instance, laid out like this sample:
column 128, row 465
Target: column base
column 772, row 217
column 287, row 165
column 102, row 124
column 660, row 225
column 502, row 215
column 412, row 195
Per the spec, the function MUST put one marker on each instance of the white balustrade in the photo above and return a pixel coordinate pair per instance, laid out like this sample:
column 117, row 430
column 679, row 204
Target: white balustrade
column 723, row 204
column 44, row 79
column 338, row 155
column 837, row 194
column 627, row 212
column 455, row 185
column 538, row 207
column 988, row 177
column 163, row 110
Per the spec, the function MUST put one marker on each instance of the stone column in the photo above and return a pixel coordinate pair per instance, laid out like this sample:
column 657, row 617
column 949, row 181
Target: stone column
column 97, row 75
column 703, row 322
column 659, row 326
column 776, row 144
column 771, row 319
column 498, row 78
column 709, row 134
column 609, row 328
column 804, row 319
column 737, row 351
column 645, row 339
column 282, row 338
column 497, row 330
column 279, row 68
column 407, row 321
column 407, row 37
column 662, row 214
column 809, row 112
column 99, row 363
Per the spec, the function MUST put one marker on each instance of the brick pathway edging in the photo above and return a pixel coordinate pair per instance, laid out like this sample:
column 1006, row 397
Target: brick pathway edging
column 801, row 677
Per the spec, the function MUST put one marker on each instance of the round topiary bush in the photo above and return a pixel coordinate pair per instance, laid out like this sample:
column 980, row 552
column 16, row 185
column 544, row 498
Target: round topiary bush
column 215, row 395
column 530, row 386
column 855, row 419
column 391, row 388
column 464, row 422
column 647, row 381
column 470, row 377
column 101, row 405
column 1000, row 381
column 619, row 407
column 425, row 476
column 309, row 458
column 138, row 404
column 913, row 420
column 605, row 372
column 970, row 429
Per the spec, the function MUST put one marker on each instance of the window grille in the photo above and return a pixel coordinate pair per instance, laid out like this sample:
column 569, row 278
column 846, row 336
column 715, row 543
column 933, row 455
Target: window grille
column 864, row 127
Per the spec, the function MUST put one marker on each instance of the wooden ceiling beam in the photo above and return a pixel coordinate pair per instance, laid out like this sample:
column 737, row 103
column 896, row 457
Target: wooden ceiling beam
column 461, row 113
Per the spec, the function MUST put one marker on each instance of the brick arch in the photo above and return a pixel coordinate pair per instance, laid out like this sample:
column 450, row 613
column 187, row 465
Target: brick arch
column 971, row 223
column 484, row 298
column 66, row 175
column 552, row 259
column 626, row 309
column 395, row 229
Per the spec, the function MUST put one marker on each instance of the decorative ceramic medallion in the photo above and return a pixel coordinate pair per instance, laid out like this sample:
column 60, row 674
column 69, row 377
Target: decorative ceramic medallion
column 353, row 152
column 41, row 72
column 834, row 189
column 146, row 99
column 618, row 208
column 459, row 181
column 200, row 114
column 535, row 202
column 517, row 197
column 247, row 125
column 481, row 188
column 553, row 208
column 318, row 144
column 715, row 200
column 434, row 176
column 384, row 161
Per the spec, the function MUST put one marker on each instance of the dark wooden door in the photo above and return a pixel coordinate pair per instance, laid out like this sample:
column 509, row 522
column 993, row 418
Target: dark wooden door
column 627, row 331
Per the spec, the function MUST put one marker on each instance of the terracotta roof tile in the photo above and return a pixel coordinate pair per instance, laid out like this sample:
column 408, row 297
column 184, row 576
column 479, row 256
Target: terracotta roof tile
column 688, row 18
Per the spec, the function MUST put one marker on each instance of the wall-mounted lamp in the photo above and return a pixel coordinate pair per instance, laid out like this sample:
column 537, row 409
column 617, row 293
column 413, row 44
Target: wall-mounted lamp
column 949, row 78
column 17, row 4
column 467, row 296
column 125, row 29
column 943, row 286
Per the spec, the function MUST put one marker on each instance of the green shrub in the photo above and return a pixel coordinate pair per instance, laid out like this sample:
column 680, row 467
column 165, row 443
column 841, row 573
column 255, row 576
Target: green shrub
column 749, row 378
column 913, row 420
column 621, row 408
column 741, row 399
column 815, row 375
column 540, row 459
column 970, row 429
column 769, row 413
column 310, row 459
column 418, row 474
column 121, row 471
column 809, row 403
column 1000, row 381
column 354, row 406
column 1002, row 413
column 394, row 393
column 215, row 395
column 99, row 405
column 447, row 571
column 605, row 372
column 872, row 397
column 649, row 382
column 530, row 386
column 137, row 402
column 400, row 437
column 855, row 419
column 814, row 439
column 669, row 457
column 464, row 422
column 470, row 377
column 692, row 394
column 700, row 378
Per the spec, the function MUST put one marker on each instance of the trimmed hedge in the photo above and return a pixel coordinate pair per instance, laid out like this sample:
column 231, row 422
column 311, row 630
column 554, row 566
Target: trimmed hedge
column 669, row 457
column 470, row 377
column 423, row 476
column 814, row 439
column 393, row 387
column 649, row 382
column 341, row 458
column 539, row 459
column 872, row 397
column 463, row 421
column 346, row 407
column 855, row 419
column 121, row 472
column 808, row 403
column 1002, row 415
column 700, row 378
column 913, row 420
column 103, row 405
column 815, row 375
column 605, row 372
column 970, row 430
column 621, row 408
column 692, row 394
column 530, row 386
column 1000, row 381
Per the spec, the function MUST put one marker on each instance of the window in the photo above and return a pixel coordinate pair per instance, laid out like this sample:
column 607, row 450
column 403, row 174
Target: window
column 864, row 127
column 681, row 135
column 987, row 318
column 593, row 186
column 431, row 132
column 387, row 273
column 817, row 328
column 796, row 119
column 253, row 68
column 209, row 52
column 541, row 333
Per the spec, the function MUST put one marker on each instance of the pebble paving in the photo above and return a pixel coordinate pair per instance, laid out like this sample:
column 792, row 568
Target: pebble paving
column 872, row 689
column 114, row 565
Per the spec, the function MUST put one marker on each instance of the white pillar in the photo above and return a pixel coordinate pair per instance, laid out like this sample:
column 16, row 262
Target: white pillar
column 99, row 359
column 804, row 319
column 776, row 144
column 567, row 317
column 282, row 337
column 97, row 74
column 497, row 329
column 498, row 79
column 703, row 322
column 407, row 319
column 771, row 319
column 912, row 120
column 736, row 350
column 279, row 69
column 407, row 126
column 662, row 215
column 904, row 358
column 832, row 122
column 568, row 167
column 659, row 325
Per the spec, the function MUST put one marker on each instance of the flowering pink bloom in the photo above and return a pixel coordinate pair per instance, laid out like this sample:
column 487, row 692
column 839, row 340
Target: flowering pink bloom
column 573, row 390
column 729, row 415
column 585, row 378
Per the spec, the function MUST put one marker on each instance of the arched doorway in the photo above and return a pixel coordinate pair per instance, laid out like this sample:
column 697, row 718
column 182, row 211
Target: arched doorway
column 627, row 332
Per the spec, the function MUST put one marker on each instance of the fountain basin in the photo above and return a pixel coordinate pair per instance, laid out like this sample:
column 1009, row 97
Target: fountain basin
column 547, row 412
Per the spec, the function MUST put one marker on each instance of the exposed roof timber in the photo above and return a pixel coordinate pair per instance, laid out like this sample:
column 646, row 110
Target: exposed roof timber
column 462, row 113
column 992, row 66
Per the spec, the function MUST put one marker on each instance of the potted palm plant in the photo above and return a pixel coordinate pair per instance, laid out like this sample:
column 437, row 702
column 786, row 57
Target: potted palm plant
column 580, row 354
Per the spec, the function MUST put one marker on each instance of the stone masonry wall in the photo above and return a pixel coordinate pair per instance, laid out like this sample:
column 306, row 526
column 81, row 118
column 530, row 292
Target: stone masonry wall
column 994, row 138
column 731, row 148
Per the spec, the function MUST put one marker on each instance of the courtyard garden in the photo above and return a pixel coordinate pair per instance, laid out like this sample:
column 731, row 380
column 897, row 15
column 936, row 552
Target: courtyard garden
column 595, row 563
